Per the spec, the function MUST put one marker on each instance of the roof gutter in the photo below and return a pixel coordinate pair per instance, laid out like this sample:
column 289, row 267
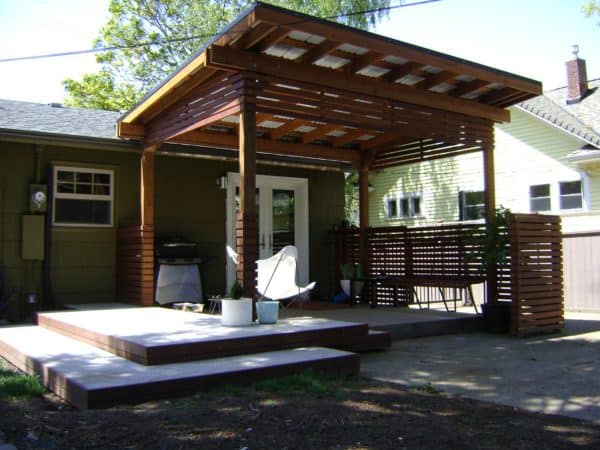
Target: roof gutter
column 175, row 150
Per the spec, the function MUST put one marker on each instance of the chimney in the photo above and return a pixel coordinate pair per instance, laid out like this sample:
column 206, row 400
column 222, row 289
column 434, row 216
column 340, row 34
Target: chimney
column 576, row 78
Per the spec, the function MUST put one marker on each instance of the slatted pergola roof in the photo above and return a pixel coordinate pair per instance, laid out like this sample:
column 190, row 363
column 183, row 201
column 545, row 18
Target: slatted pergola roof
column 324, row 90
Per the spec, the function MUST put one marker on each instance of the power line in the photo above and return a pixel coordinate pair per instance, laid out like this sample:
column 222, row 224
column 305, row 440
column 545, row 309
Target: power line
column 191, row 38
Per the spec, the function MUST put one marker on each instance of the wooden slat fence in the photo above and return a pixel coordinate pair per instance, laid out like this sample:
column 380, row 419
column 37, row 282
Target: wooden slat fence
column 444, row 250
column 536, row 287
column 135, row 265
column 531, row 278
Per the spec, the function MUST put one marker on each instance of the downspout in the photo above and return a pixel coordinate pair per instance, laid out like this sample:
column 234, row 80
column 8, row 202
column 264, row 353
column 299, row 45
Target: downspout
column 48, row 300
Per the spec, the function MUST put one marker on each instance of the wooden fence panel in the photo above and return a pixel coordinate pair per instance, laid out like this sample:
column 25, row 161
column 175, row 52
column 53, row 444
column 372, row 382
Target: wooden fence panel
column 536, row 287
column 135, row 265
column 582, row 271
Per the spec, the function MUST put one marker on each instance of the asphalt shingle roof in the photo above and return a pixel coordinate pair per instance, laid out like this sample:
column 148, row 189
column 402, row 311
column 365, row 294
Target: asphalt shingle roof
column 581, row 119
column 26, row 116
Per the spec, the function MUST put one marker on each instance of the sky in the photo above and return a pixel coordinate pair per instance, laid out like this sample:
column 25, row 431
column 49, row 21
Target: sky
column 532, row 38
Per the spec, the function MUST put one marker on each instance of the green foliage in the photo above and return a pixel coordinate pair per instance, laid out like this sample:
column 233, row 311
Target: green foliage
column 150, row 39
column 14, row 384
column 348, row 271
column 591, row 8
column 351, row 198
column 236, row 290
column 491, row 247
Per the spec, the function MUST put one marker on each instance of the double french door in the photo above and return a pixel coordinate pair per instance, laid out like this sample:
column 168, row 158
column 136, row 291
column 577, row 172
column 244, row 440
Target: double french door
column 282, row 209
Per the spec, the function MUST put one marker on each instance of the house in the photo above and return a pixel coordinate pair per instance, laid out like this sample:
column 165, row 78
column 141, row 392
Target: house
column 547, row 160
column 246, row 144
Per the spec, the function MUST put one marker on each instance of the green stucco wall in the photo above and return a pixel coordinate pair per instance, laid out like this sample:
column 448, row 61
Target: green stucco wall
column 188, row 204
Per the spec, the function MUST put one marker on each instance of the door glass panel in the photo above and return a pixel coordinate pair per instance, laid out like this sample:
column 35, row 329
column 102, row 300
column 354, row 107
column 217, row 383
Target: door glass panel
column 284, row 219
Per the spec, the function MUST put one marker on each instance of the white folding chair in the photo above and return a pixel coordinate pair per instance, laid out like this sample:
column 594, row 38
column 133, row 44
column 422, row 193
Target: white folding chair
column 277, row 277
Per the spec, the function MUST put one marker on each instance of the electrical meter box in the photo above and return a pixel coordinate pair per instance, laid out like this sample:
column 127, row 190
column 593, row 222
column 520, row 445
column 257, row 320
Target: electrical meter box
column 33, row 237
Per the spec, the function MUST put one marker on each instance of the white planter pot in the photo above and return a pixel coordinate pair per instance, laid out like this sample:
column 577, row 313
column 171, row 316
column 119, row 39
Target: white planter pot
column 358, row 285
column 236, row 313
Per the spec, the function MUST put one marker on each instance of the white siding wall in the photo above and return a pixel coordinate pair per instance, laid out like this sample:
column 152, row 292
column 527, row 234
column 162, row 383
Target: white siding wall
column 528, row 152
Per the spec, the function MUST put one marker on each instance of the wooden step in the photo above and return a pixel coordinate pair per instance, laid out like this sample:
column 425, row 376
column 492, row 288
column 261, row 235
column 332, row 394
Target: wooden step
column 88, row 377
column 162, row 336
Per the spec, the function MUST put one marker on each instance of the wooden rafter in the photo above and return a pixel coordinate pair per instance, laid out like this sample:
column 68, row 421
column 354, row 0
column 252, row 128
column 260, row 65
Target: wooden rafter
column 317, row 52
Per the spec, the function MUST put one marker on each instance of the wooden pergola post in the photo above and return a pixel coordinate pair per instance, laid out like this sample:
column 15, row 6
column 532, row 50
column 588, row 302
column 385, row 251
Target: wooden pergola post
column 247, row 220
column 147, row 187
column 363, row 204
column 489, row 180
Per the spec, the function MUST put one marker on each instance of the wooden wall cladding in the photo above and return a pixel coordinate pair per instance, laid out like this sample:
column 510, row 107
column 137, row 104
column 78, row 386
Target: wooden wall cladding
column 135, row 265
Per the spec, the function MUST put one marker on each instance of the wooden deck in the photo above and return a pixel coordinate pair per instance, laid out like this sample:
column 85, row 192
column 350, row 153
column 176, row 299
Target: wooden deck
column 155, row 335
column 110, row 355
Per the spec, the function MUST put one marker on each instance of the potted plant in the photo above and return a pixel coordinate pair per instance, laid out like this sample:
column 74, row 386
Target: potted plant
column 236, row 310
column 349, row 273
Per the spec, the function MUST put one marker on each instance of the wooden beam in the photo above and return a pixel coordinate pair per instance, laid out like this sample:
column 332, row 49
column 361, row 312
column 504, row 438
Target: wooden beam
column 130, row 130
column 254, row 36
column 412, row 68
column 489, row 182
column 384, row 139
column 363, row 206
column 233, row 59
column 147, row 186
column 274, row 38
column 434, row 80
column 247, row 149
column 317, row 52
column 362, row 61
column 269, row 146
column 198, row 63
column 319, row 132
column 247, row 220
column 286, row 128
column 351, row 135
column 467, row 87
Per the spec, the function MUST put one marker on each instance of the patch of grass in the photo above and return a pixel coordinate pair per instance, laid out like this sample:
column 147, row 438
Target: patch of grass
column 307, row 382
column 17, row 385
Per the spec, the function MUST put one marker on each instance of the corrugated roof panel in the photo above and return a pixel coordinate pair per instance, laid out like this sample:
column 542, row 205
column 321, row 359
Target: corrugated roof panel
column 410, row 79
column 306, row 37
column 373, row 71
column 285, row 51
column 348, row 48
column 395, row 59
column 331, row 62
column 442, row 87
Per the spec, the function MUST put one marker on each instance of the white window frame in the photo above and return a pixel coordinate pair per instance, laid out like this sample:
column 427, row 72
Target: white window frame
column 74, row 196
column 555, row 195
column 396, row 199
column 581, row 194
column 549, row 197
column 463, row 193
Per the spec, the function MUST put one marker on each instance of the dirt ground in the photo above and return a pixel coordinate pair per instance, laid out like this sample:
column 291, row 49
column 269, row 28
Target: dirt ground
column 350, row 414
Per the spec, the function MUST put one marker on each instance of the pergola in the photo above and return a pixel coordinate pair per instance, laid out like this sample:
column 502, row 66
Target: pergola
column 280, row 82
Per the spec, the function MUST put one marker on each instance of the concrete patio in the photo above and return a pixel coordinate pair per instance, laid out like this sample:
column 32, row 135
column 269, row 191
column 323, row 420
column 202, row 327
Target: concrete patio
column 553, row 374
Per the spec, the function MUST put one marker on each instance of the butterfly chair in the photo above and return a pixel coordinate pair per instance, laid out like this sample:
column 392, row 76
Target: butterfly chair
column 278, row 275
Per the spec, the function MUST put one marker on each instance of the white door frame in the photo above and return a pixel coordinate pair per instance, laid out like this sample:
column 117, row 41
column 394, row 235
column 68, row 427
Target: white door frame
column 265, row 184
